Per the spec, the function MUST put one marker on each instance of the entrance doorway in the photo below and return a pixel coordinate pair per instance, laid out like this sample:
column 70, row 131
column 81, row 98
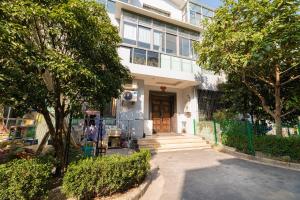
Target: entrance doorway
column 162, row 111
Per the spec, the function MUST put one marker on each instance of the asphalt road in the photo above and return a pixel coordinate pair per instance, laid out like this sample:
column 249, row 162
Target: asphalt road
column 210, row 175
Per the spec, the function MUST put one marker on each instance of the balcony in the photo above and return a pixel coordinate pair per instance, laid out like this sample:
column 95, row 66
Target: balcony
column 158, row 67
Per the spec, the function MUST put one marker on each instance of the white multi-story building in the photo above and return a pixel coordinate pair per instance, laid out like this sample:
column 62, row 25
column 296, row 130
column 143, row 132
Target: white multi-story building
column 169, row 90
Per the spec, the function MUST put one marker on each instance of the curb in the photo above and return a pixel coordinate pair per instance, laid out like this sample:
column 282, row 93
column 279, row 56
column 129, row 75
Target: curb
column 137, row 193
column 257, row 158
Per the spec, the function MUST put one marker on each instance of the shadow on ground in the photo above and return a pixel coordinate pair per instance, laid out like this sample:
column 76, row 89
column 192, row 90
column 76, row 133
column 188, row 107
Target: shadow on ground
column 235, row 179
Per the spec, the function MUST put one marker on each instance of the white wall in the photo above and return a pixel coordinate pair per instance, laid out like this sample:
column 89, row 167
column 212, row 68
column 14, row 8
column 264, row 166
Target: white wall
column 166, row 5
column 182, row 102
column 132, row 114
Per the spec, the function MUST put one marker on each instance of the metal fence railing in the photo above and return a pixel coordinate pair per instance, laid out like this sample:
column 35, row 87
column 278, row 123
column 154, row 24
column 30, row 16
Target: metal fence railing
column 240, row 133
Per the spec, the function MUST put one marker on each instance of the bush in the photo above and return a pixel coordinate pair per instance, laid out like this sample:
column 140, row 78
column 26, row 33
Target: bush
column 24, row 179
column 278, row 146
column 103, row 176
column 234, row 134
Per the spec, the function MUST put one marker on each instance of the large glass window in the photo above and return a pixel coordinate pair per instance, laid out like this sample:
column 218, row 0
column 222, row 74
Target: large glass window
column 111, row 7
column 158, row 40
column 129, row 35
column 129, row 17
column 171, row 28
column 159, row 25
column 192, row 52
column 139, row 56
column 152, row 58
column 184, row 46
column 144, row 37
column 171, row 44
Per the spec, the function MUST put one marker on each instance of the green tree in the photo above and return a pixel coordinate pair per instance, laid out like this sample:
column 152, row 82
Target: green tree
column 56, row 54
column 258, row 40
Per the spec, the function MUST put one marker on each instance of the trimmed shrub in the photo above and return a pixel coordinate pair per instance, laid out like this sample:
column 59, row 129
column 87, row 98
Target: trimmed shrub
column 234, row 134
column 278, row 146
column 24, row 179
column 106, row 175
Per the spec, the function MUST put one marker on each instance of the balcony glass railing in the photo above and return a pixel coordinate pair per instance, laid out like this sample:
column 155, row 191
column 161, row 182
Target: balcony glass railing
column 160, row 60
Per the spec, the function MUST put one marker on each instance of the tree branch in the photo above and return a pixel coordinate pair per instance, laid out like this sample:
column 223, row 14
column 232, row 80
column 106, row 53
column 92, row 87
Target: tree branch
column 262, row 99
column 289, row 69
column 290, row 80
column 263, row 79
column 289, row 112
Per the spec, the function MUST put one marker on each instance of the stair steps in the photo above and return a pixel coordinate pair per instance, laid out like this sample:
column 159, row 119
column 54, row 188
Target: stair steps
column 173, row 143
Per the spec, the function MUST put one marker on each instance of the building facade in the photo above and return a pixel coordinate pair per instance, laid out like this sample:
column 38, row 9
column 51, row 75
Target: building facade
column 157, row 48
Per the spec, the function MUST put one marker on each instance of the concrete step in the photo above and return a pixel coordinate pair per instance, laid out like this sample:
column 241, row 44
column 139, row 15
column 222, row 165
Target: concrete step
column 174, row 145
column 161, row 150
column 175, row 141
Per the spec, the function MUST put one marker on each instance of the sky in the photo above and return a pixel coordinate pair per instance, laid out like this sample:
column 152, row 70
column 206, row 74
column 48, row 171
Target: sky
column 211, row 3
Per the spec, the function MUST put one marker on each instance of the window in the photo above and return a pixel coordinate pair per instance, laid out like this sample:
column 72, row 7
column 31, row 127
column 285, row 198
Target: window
column 195, row 18
column 152, row 58
column 139, row 56
column 125, row 53
column 145, row 21
column 171, row 29
column 159, row 40
column 171, row 44
column 184, row 46
column 111, row 6
column 129, row 17
column 110, row 109
column 159, row 25
column 192, row 51
column 144, row 37
column 129, row 33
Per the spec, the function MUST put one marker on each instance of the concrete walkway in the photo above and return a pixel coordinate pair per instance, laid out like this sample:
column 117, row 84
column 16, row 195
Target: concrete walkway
column 210, row 175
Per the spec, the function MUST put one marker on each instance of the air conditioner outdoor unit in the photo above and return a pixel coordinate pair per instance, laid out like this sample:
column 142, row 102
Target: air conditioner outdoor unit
column 129, row 96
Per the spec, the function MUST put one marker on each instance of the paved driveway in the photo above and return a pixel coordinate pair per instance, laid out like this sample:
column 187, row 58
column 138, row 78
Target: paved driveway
column 210, row 175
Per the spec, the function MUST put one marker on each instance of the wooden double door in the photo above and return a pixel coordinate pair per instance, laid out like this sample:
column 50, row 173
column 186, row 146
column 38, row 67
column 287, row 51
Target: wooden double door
column 162, row 111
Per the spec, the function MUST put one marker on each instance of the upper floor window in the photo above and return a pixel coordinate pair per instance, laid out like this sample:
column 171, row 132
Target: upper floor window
column 130, row 33
column 149, row 34
column 158, row 40
column 144, row 37
column 171, row 44
column 184, row 46
column 199, row 12
column 109, row 5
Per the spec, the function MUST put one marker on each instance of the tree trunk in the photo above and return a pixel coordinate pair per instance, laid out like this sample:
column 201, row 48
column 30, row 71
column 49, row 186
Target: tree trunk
column 56, row 133
column 278, row 107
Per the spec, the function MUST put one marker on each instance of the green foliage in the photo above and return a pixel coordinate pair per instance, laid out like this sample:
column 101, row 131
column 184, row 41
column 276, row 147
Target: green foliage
column 106, row 175
column 57, row 54
column 24, row 179
column 256, row 42
column 224, row 114
column 279, row 146
column 234, row 134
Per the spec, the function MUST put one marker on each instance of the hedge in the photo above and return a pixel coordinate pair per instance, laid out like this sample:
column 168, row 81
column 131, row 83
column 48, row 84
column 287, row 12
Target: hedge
column 96, row 177
column 272, row 145
column 279, row 146
column 24, row 179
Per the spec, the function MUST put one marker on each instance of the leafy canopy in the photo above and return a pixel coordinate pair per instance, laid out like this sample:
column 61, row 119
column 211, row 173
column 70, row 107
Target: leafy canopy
column 258, row 42
column 53, row 52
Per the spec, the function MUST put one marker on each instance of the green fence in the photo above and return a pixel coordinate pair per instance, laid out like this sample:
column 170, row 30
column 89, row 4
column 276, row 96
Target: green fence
column 247, row 137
